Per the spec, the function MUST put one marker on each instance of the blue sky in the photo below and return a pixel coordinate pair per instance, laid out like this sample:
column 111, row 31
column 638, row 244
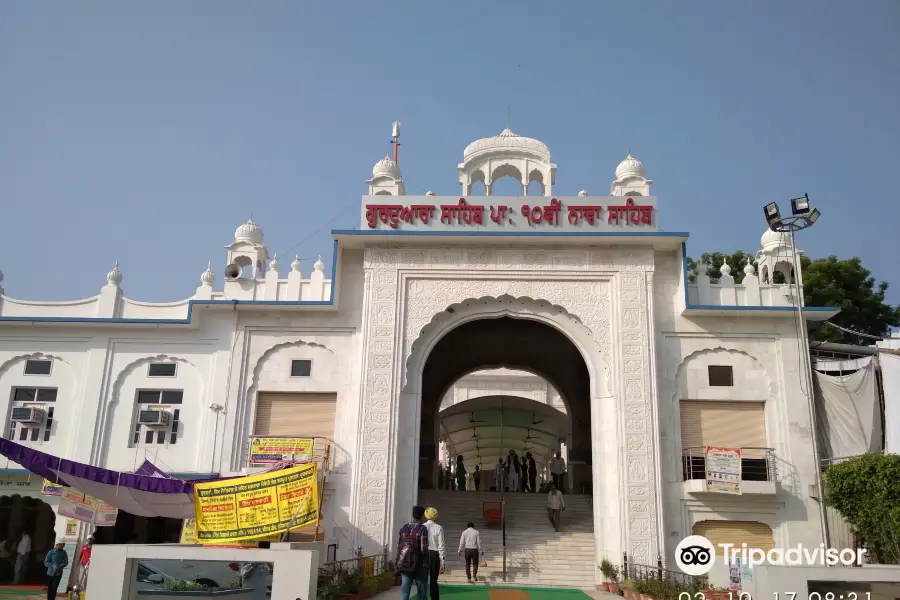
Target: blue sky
column 144, row 133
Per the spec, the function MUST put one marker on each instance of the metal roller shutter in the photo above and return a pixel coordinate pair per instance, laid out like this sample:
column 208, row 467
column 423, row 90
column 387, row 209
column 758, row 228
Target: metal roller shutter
column 752, row 533
column 297, row 415
column 731, row 424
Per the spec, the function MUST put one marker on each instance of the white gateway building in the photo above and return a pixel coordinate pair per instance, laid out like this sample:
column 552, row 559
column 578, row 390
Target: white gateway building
column 452, row 326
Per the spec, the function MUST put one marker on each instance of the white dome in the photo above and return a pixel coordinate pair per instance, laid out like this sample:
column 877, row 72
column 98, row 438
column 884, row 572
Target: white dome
column 508, row 140
column 386, row 167
column 249, row 232
column 630, row 167
column 114, row 277
column 207, row 277
column 772, row 240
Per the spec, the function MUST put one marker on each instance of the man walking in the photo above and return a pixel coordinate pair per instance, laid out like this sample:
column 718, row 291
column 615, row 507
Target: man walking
column 55, row 562
column 23, row 555
column 532, row 473
column 435, row 551
column 557, row 471
column 470, row 541
column 555, row 506
column 412, row 556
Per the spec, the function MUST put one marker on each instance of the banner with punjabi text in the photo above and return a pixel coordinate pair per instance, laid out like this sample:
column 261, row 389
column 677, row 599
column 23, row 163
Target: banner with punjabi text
column 256, row 506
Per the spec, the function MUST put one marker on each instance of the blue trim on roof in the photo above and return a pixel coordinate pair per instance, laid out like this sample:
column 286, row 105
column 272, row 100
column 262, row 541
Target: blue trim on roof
column 689, row 306
column 191, row 304
column 383, row 233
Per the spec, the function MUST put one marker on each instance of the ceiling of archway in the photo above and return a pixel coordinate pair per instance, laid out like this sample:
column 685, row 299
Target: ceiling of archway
column 485, row 429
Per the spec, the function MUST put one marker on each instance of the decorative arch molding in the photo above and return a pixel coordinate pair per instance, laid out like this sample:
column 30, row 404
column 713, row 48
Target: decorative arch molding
column 490, row 307
column 112, row 401
column 257, row 369
column 682, row 368
column 20, row 358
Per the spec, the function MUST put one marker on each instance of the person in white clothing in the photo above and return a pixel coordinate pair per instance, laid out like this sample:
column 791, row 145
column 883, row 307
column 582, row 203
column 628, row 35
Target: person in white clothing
column 470, row 541
column 435, row 551
column 558, row 471
column 500, row 475
column 23, row 552
column 555, row 506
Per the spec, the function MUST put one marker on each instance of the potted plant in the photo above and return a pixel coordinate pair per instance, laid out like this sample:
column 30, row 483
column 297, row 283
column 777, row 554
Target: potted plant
column 628, row 589
column 611, row 573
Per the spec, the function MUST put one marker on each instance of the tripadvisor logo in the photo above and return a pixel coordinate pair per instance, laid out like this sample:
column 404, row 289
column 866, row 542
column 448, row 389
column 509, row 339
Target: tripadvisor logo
column 695, row 555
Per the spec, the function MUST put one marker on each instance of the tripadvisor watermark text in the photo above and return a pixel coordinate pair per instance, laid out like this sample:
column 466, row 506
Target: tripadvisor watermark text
column 696, row 555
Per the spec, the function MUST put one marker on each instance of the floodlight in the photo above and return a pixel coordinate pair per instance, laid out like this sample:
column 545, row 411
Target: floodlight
column 800, row 206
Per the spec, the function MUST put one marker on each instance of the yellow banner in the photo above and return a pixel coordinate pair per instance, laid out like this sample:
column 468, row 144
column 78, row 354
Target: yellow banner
column 256, row 506
column 273, row 450
column 189, row 536
column 51, row 489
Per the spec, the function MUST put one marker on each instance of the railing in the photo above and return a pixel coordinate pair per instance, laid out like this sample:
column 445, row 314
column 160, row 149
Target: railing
column 503, row 529
column 335, row 578
column 639, row 572
column 757, row 464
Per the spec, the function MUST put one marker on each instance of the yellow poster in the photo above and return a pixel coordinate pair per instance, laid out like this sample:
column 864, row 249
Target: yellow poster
column 51, row 489
column 256, row 506
column 75, row 505
column 71, row 528
column 188, row 532
column 273, row 450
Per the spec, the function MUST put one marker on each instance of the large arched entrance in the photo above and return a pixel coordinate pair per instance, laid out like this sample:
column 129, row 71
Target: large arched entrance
column 516, row 343
column 21, row 515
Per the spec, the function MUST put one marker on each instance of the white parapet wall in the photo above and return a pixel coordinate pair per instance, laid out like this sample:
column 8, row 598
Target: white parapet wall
column 113, row 573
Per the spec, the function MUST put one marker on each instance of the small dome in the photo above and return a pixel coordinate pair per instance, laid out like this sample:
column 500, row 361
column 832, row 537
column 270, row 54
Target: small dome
column 508, row 140
column 630, row 167
column 773, row 240
column 319, row 265
column 249, row 232
column 114, row 277
column 725, row 269
column 386, row 168
column 273, row 266
column 583, row 193
column 295, row 265
column 430, row 193
column 207, row 277
column 749, row 269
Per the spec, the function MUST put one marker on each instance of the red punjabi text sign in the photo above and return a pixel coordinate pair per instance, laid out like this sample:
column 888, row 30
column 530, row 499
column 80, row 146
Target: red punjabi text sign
column 614, row 214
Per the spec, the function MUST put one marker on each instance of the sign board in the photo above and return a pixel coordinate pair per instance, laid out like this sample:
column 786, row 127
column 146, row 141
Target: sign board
column 274, row 450
column 52, row 489
column 734, row 574
column 189, row 536
column 723, row 470
column 75, row 505
column 71, row 529
column 481, row 214
column 256, row 506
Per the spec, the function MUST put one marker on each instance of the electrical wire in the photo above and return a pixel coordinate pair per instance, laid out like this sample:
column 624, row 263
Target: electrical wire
column 850, row 331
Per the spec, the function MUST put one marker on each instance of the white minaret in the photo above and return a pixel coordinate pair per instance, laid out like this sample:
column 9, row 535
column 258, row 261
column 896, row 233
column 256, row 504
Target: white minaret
column 630, row 179
column 246, row 250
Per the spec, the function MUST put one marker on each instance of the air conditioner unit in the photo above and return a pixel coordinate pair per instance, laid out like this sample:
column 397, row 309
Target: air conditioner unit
column 153, row 418
column 27, row 415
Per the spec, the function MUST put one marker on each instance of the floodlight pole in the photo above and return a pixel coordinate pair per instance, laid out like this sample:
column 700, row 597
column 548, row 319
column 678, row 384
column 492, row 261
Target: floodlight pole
column 791, row 225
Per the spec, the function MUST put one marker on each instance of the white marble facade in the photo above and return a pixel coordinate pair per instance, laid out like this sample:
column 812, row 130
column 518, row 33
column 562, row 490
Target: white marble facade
column 623, row 300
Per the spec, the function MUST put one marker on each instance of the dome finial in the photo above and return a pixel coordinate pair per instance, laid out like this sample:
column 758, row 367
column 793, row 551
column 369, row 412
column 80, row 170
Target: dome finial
column 114, row 277
column 207, row 277
column 295, row 264
column 749, row 269
column 273, row 266
column 319, row 265
column 725, row 268
column 583, row 193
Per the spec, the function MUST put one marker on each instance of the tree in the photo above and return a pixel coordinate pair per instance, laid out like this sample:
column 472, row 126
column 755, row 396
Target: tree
column 843, row 284
column 714, row 261
column 850, row 286
column 866, row 491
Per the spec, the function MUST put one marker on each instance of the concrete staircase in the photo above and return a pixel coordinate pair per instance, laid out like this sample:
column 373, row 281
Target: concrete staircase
column 535, row 554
